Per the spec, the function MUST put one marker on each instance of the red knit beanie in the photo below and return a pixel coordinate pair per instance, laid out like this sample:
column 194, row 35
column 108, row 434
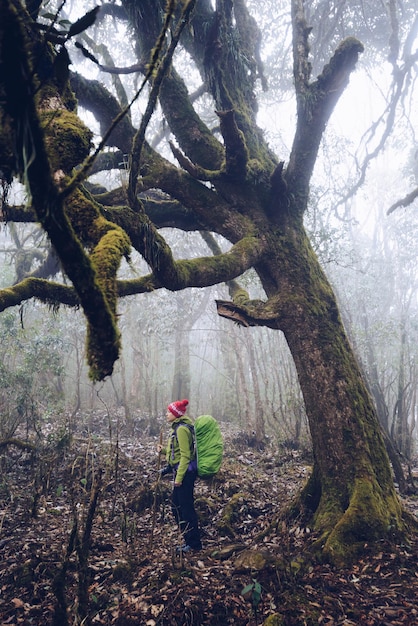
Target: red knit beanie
column 178, row 408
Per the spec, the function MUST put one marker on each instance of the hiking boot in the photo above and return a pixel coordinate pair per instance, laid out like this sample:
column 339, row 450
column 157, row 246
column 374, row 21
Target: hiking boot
column 185, row 549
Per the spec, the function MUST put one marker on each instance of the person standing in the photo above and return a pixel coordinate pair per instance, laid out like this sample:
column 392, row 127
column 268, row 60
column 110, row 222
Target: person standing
column 181, row 460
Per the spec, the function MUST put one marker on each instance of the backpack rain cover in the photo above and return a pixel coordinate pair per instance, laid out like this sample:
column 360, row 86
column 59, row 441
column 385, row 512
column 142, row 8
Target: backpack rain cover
column 209, row 445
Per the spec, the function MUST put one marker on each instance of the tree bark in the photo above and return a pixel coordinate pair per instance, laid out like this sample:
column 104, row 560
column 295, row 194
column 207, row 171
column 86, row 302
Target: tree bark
column 352, row 483
column 350, row 498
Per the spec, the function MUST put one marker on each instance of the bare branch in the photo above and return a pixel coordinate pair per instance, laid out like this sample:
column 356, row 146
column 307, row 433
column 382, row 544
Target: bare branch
column 406, row 201
column 161, row 72
column 302, row 67
column 132, row 69
column 401, row 76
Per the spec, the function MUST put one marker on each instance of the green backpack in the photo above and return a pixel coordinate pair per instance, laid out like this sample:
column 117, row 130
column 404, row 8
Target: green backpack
column 209, row 445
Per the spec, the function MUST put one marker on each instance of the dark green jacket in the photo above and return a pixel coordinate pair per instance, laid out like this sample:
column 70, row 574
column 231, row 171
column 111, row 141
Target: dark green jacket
column 179, row 450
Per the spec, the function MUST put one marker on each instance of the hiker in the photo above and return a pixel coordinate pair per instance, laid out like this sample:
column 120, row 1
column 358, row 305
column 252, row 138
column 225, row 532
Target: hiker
column 179, row 454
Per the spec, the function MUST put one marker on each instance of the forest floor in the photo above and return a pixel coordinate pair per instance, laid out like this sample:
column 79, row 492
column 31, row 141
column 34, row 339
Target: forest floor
column 93, row 516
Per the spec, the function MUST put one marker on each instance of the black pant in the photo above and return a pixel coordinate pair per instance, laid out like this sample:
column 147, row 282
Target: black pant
column 182, row 504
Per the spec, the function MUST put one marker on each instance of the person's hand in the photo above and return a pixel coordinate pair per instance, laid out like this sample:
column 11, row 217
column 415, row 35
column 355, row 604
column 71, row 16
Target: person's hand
column 177, row 484
column 159, row 447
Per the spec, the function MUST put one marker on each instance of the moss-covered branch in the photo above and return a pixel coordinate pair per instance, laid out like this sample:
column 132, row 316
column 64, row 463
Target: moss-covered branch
column 199, row 173
column 204, row 271
column 194, row 137
column 236, row 153
column 159, row 67
column 25, row 446
column 251, row 38
column 233, row 286
column 246, row 312
column 46, row 291
column 211, row 210
column 200, row 272
column 51, row 141
column 94, row 97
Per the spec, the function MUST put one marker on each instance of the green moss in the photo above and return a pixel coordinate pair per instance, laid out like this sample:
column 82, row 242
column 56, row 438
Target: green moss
column 106, row 259
column 189, row 271
column 61, row 143
column 370, row 517
column 67, row 139
column 254, row 560
column 103, row 347
column 199, row 145
column 234, row 503
column 350, row 501
column 84, row 216
column 107, row 241
column 108, row 244
column 328, row 513
column 274, row 620
column 225, row 524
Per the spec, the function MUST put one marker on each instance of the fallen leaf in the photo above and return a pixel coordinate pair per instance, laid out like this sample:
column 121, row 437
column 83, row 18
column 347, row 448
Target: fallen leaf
column 19, row 604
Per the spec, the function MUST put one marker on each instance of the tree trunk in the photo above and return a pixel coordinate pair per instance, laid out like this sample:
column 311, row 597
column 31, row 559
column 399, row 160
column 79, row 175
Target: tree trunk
column 350, row 496
column 260, row 430
column 400, row 432
column 244, row 401
column 181, row 377
column 350, row 499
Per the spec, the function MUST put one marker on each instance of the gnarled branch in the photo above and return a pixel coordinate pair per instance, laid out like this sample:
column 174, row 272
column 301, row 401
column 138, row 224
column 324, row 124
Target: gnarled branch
column 246, row 312
column 201, row 272
column 39, row 157
column 315, row 103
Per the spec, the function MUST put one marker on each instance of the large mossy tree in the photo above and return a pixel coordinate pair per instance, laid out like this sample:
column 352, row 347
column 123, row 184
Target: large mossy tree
column 223, row 180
